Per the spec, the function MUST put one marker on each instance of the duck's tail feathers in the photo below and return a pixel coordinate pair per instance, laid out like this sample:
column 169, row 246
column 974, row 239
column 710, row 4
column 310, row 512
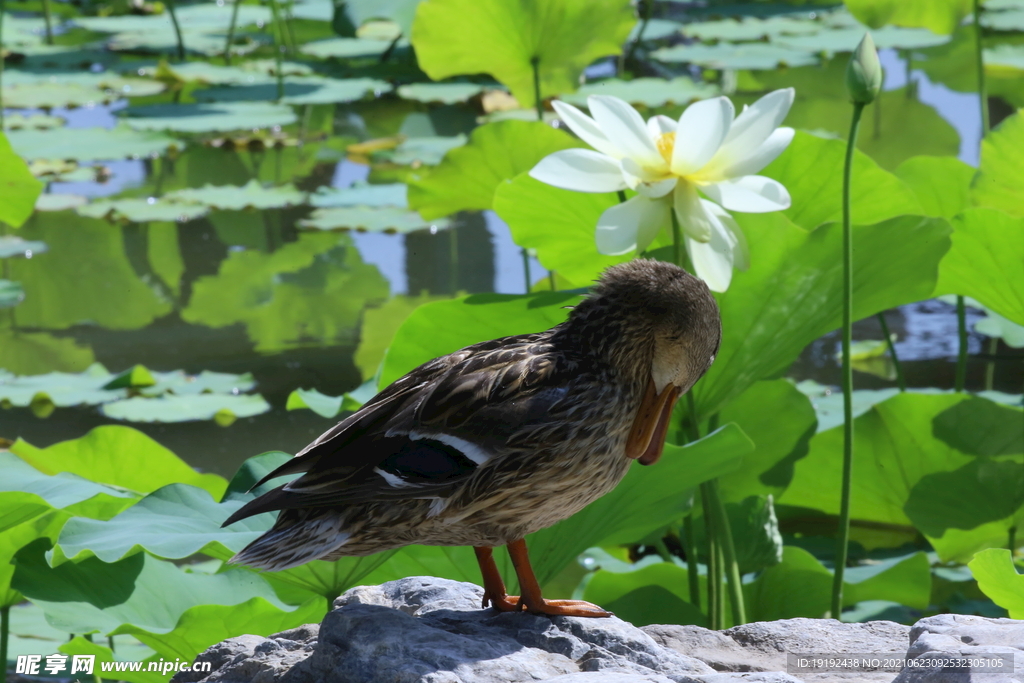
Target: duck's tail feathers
column 298, row 536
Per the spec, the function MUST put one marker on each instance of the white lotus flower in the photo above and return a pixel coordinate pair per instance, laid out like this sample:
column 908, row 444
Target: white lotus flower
column 671, row 164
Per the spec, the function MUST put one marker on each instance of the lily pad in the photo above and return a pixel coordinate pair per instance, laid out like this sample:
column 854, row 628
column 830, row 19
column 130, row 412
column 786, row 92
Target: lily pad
column 11, row 293
column 426, row 151
column 206, row 118
column 647, row 92
column 744, row 29
column 445, row 93
column 1010, row 20
column 736, row 55
column 299, row 90
column 60, row 202
column 503, row 39
column 401, row 12
column 142, row 210
column 205, row 15
column 830, row 41
column 361, row 194
column 90, row 144
column 656, row 29
column 12, row 245
column 252, row 195
column 223, row 408
column 940, row 16
column 32, row 121
column 370, row 219
column 345, row 48
column 942, row 184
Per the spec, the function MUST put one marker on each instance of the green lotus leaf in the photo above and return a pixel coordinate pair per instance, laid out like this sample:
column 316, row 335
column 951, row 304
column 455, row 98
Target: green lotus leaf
column 736, row 55
column 426, row 151
column 14, row 537
column 33, row 353
column 455, row 37
column 981, row 427
column 647, row 92
column 743, row 29
column 780, row 437
column 176, row 612
column 942, row 16
column 811, row 169
column 942, row 184
column 206, row 118
column 379, row 327
column 371, row 219
column 140, row 653
column 12, row 245
column 986, row 262
column 224, row 408
column 995, row 325
column 31, row 121
column 1000, row 580
column 998, row 184
column 252, row 195
column 345, row 48
column 110, row 454
column 790, row 265
column 91, row 144
column 27, row 493
column 444, row 93
column 136, row 376
column 994, row 489
column 361, row 194
column 831, row 41
column 19, row 188
column 559, row 224
column 298, row 90
column 11, row 294
column 469, row 175
column 142, row 210
column 651, row 593
column 321, row 404
column 442, row 327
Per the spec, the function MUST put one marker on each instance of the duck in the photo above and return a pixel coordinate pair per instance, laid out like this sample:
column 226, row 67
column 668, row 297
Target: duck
column 500, row 439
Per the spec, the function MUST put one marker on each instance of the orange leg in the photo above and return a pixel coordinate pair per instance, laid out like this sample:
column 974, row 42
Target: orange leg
column 531, row 600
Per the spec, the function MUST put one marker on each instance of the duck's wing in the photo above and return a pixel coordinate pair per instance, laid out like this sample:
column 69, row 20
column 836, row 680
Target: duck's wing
column 428, row 431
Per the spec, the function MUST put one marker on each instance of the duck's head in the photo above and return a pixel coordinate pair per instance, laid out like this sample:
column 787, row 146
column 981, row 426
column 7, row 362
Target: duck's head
column 660, row 327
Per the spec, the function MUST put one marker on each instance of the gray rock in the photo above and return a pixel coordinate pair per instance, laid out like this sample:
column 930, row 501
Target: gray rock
column 428, row 630
column 943, row 637
column 765, row 646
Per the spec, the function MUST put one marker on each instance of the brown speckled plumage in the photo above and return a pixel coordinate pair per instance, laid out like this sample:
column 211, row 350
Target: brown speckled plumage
column 539, row 424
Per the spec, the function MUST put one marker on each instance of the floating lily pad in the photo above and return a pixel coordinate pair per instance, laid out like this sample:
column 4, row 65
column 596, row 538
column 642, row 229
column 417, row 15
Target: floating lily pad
column 846, row 39
column 299, row 90
column 11, row 293
column 50, row 96
column 366, row 219
column 428, row 151
column 736, row 55
column 254, row 71
column 446, row 93
column 345, row 48
column 224, row 408
column 206, row 15
column 401, row 12
column 1006, row 56
column 252, row 195
column 205, row 118
column 60, row 202
column 362, row 194
column 749, row 28
column 1010, row 20
column 206, row 42
column 142, row 210
column 656, row 29
column 12, row 245
column 649, row 92
column 89, row 144
column 19, row 31
column 32, row 121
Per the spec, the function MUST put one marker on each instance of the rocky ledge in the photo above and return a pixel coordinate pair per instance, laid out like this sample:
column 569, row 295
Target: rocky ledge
column 428, row 630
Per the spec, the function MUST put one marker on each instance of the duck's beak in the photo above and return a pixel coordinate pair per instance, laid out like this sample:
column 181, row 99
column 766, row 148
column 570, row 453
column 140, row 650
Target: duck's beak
column 647, row 437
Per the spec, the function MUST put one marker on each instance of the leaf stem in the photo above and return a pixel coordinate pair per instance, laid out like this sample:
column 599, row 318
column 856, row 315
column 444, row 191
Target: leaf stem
column 732, row 567
column 231, row 32
column 1011, row 540
column 535, row 63
column 177, row 30
column 453, row 255
column 275, row 10
column 961, row 356
column 979, row 58
column 692, row 572
column 526, row 268
column 677, row 239
column 844, row 505
column 714, row 568
column 5, row 631
column 48, row 21
column 900, row 381
column 648, row 6
column 990, row 366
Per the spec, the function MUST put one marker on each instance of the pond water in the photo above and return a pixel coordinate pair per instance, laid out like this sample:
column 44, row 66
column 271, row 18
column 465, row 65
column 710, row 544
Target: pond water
column 161, row 324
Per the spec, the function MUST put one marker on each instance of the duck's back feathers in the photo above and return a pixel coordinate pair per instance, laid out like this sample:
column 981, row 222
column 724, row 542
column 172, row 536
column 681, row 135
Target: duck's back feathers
column 429, row 431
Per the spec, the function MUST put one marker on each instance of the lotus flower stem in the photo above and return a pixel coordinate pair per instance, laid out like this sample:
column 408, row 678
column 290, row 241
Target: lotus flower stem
column 900, row 381
column 692, row 575
column 732, row 567
column 5, row 630
column 990, row 366
column 844, row 505
column 231, row 32
column 278, row 42
column 551, row 279
column 526, row 268
column 177, row 30
column 677, row 249
column 48, row 21
column 288, row 21
column 648, row 6
column 960, row 383
column 535, row 63
column 714, row 567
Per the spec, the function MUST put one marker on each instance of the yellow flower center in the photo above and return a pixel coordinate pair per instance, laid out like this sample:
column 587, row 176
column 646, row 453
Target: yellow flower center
column 666, row 143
